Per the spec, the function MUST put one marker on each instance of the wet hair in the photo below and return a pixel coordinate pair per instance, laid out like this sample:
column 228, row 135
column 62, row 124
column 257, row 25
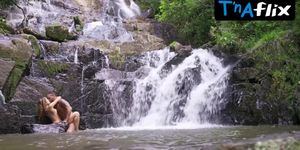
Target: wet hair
column 51, row 93
column 41, row 110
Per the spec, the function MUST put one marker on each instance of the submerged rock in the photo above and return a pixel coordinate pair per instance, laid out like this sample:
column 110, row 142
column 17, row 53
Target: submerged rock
column 43, row 128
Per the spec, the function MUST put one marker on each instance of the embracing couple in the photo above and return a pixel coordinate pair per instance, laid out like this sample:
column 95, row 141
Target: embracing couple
column 59, row 111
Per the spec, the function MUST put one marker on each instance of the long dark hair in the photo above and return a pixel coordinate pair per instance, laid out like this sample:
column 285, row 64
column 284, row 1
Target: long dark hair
column 41, row 110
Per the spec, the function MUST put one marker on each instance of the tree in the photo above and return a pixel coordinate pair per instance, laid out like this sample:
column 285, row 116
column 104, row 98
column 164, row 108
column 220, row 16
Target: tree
column 192, row 18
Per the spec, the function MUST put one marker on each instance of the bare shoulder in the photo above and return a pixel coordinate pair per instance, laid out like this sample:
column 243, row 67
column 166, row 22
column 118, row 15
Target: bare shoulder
column 65, row 102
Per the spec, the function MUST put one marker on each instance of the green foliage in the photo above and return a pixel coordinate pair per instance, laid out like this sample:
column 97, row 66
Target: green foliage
column 52, row 68
column 4, row 28
column 192, row 18
column 35, row 45
column 280, row 59
column 296, row 23
column 247, row 35
column 149, row 4
column 78, row 23
column 7, row 3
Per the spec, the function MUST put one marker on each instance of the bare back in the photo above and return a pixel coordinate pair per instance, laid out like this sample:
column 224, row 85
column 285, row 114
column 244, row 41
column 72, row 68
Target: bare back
column 63, row 108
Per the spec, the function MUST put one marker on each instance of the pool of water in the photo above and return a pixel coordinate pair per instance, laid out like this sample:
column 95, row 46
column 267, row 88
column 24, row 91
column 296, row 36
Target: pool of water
column 129, row 138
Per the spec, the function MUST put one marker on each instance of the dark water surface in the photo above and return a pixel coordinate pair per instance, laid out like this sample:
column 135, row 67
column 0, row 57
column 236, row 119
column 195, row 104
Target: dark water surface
column 206, row 138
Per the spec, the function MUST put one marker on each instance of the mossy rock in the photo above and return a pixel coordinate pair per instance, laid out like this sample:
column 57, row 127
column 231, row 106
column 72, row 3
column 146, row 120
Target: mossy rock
column 175, row 46
column 4, row 28
column 51, row 69
column 34, row 33
column 35, row 45
column 59, row 33
column 20, row 51
column 78, row 23
column 51, row 47
column 117, row 59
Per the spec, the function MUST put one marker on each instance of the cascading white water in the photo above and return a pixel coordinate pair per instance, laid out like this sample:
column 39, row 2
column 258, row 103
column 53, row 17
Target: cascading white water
column 76, row 61
column 103, row 24
column 109, row 26
column 124, row 10
column 187, row 94
column 2, row 99
column 202, row 99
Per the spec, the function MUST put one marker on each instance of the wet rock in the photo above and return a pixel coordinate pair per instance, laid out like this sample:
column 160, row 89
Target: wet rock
column 59, row 33
column 2, row 99
column 35, row 45
column 51, row 47
column 111, row 74
column 97, row 121
column 6, row 66
column 28, row 93
column 245, row 73
column 52, row 68
column 10, row 117
column 261, row 89
column 175, row 46
column 20, row 51
column 179, row 58
column 152, row 27
column 30, row 31
column 43, row 128
column 79, row 23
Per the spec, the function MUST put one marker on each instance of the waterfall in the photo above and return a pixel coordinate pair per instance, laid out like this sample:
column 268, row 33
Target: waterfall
column 2, row 99
column 109, row 25
column 106, row 61
column 123, row 10
column 187, row 94
column 76, row 56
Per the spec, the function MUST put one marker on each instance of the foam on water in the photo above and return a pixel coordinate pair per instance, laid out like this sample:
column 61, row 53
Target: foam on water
column 177, row 127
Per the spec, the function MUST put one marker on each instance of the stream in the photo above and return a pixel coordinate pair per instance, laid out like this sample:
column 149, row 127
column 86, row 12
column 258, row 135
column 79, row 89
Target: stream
column 206, row 137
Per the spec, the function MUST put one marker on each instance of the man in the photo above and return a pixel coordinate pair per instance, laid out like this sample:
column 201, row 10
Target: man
column 65, row 113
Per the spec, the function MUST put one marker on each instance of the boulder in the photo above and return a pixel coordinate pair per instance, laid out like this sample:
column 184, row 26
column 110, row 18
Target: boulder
column 10, row 117
column 19, row 50
column 59, row 33
column 51, row 47
column 245, row 73
column 29, row 91
column 42, row 128
column 175, row 46
column 30, row 31
column 35, row 45
column 6, row 66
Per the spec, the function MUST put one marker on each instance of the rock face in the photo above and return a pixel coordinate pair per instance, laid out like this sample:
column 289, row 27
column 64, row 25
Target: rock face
column 41, row 128
column 18, row 50
column 5, row 67
column 59, row 33
column 49, row 57
column 263, row 88
column 11, row 119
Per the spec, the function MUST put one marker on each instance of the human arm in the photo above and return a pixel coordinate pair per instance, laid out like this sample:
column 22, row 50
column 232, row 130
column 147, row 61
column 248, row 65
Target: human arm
column 52, row 104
